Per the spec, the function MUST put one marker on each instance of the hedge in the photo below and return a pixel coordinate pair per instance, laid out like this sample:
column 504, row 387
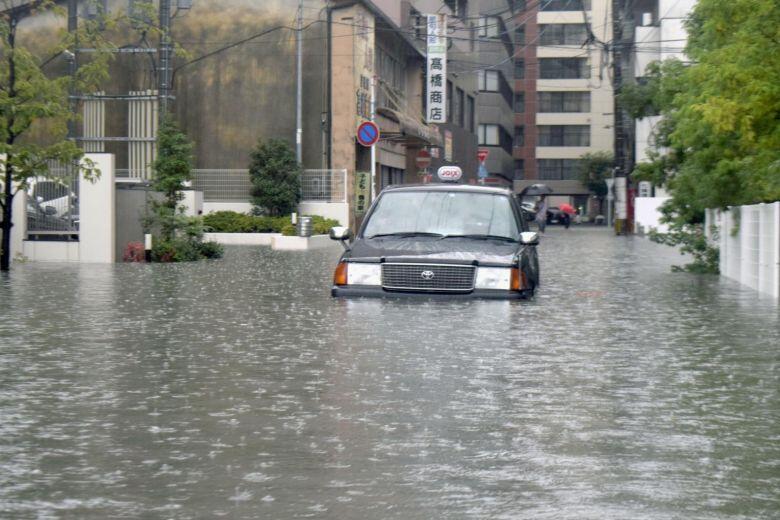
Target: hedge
column 233, row 222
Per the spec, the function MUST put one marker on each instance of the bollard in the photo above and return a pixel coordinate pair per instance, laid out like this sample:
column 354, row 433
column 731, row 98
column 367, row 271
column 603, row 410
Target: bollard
column 148, row 247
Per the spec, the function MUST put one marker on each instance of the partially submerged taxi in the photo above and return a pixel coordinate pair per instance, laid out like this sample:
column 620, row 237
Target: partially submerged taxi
column 453, row 240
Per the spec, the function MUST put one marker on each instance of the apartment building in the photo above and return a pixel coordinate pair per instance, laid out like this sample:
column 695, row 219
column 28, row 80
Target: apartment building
column 493, row 32
column 563, row 93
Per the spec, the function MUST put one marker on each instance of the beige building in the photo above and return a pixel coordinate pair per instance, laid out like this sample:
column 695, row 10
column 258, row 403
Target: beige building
column 562, row 76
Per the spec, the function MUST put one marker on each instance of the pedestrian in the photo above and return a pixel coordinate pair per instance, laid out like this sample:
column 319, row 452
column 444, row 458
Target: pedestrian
column 541, row 214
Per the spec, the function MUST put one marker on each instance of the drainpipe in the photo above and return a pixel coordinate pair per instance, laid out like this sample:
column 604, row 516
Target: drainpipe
column 329, row 88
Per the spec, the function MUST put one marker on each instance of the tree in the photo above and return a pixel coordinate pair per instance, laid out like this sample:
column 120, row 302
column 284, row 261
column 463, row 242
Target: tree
column 721, row 113
column 172, row 168
column 275, row 175
column 31, row 101
column 594, row 169
column 178, row 238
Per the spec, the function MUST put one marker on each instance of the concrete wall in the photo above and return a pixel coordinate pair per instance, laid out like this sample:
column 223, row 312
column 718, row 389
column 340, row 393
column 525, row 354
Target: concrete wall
column 334, row 210
column 749, row 241
column 97, row 227
column 130, row 208
column 647, row 215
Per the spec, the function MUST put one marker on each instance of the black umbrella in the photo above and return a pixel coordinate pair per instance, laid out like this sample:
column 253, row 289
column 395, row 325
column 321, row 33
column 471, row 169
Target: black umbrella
column 536, row 189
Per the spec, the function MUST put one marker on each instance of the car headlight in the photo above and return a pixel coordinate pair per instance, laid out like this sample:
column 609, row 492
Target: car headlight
column 364, row 274
column 494, row 278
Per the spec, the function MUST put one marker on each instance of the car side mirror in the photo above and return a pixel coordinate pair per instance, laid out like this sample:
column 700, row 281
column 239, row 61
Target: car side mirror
column 342, row 234
column 529, row 238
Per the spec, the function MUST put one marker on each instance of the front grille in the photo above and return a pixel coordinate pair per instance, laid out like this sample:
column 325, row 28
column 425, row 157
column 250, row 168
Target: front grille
column 428, row 277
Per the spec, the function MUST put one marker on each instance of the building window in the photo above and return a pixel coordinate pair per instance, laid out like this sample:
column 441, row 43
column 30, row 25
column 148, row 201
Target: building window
column 519, row 69
column 457, row 7
column 519, row 169
column 563, row 34
column 564, row 5
column 519, row 102
column 564, row 135
column 489, row 135
column 490, row 26
column 558, row 169
column 470, row 113
column 520, row 35
column 564, row 101
column 391, row 176
column 519, row 136
column 563, row 68
column 460, row 107
column 449, row 101
column 488, row 80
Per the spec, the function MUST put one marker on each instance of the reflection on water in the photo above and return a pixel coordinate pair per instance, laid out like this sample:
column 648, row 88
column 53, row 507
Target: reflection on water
column 239, row 388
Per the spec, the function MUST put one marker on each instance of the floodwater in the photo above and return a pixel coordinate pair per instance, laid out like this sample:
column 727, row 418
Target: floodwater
column 238, row 388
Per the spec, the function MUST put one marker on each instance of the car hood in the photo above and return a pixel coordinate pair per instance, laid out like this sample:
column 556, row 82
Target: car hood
column 426, row 249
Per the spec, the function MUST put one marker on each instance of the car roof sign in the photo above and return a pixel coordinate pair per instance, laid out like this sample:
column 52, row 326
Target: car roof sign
column 449, row 174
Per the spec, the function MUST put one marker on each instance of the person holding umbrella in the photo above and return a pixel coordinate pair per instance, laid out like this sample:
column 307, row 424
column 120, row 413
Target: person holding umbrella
column 567, row 210
column 541, row 190
column 541, row 214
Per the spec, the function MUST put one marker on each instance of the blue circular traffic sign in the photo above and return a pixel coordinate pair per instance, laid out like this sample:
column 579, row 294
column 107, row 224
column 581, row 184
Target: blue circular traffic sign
column 368, row 133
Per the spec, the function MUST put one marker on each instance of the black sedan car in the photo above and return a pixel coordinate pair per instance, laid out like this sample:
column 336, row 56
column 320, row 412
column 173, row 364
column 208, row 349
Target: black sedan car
column 440, row 239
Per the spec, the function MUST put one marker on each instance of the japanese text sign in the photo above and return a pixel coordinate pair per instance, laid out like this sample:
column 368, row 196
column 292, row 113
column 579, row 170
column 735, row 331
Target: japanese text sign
column 436, row 79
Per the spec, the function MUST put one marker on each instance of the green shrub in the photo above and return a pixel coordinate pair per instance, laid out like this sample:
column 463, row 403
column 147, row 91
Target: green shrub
column 232, row 222
column 211, row 250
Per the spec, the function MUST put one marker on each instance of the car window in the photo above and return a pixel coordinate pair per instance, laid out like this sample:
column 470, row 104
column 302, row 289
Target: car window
column 442, row 212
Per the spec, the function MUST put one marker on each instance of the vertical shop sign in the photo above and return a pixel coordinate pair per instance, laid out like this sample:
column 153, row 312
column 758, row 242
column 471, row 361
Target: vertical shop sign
column 362, row 192
column 436, row 79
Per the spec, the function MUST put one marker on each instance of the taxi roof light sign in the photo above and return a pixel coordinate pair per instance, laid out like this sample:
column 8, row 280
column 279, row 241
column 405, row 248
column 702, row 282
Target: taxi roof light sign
column 449, row 174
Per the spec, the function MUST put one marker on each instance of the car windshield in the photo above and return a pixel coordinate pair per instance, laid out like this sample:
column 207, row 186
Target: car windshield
column 442, row 214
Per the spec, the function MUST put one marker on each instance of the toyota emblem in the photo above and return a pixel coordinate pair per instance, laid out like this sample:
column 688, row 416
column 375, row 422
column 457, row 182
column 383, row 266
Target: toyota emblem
column 427, row 275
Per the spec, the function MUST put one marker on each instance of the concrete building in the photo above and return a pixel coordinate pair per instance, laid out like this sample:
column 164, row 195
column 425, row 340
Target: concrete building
column 563, row 92
column 495, row 49
column 237, row 84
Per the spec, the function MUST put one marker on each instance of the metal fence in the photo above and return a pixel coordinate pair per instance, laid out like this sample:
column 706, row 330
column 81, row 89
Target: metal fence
column 223, row 185
column 324, row 186
column 53, row 202
column 749, row 242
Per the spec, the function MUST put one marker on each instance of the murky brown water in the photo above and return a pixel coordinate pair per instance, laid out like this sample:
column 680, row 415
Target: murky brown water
column 240, row 389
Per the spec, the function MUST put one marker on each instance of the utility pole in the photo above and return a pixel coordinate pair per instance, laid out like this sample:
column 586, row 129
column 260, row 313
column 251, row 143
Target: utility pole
column 621, row 165
column 166, row 50
column 70, row 56
column 299, row 96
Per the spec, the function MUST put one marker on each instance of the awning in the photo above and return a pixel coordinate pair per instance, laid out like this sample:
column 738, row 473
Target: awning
column 398, row 127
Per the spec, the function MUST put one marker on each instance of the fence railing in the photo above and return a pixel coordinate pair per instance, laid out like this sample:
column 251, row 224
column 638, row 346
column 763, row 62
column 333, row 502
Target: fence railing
column 324, row 186
column 749, row 242
column 223, row 185
column 53, row 202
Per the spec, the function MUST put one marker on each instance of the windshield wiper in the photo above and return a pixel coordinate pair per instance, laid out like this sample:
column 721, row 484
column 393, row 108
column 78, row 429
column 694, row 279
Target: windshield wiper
column 482, row 237
column 407, row 234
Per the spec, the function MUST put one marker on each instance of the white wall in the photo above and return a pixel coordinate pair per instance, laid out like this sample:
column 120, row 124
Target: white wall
column 644, row 136
column 647, row 216
column 749, row 242
column 213, row 207
column 335, row 210
column 192, row 202
column 97, row 212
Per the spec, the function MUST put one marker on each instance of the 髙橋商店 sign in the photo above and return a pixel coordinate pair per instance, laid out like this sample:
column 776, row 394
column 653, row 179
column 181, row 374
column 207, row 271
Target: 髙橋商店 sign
column 436, row 79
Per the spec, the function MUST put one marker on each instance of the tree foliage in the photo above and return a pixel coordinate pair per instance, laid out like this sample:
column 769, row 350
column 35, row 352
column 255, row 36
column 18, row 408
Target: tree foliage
column 721, row 129
column 594, row 169
column 30, row 100
column 275, row 176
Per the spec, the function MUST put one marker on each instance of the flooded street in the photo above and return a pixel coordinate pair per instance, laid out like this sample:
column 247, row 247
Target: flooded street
column 238, row 388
